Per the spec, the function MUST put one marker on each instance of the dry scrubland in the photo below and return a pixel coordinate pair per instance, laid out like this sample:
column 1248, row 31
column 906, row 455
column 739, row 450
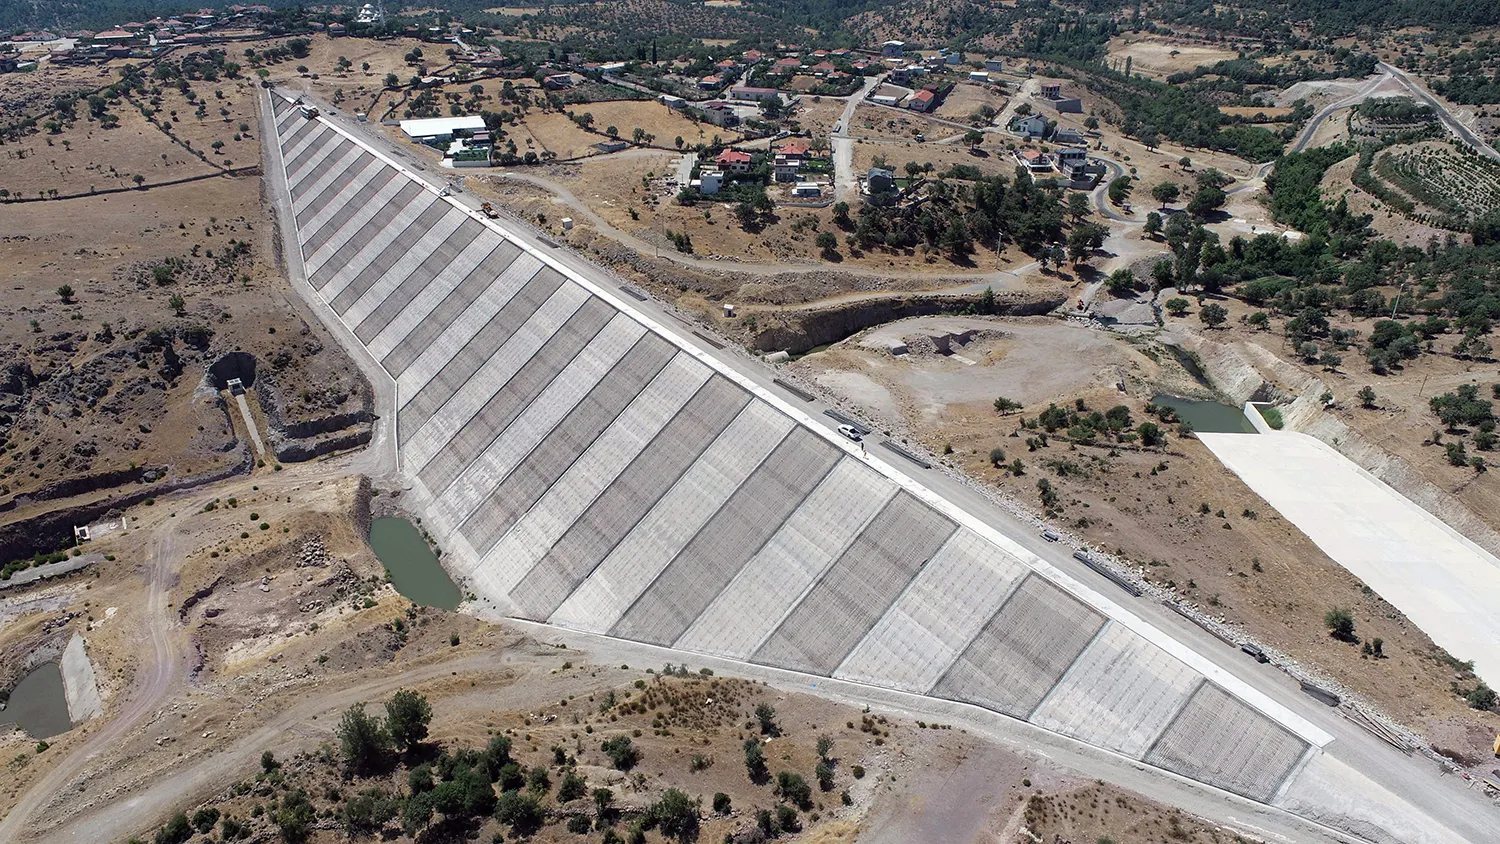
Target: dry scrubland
column 105, row 383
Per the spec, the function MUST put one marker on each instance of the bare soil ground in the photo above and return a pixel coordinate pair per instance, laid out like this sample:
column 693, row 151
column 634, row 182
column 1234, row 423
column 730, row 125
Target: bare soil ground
column 1237, row 559
column 871, row 121
column 1160, row 57
column 819, row 114
column 967, row 98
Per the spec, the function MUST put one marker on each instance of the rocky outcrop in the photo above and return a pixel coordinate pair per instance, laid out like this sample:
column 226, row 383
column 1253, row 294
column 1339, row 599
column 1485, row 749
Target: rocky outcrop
column 799, row 331
column 85, row 484
column 54, row 529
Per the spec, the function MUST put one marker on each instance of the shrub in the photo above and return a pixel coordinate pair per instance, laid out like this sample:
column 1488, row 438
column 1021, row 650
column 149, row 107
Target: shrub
column 765, row 713
column 176, row 831
column 1176, row 306
column 621, row 752
column 721, row 803
column 792, row 788
column 572, row 787
column 1482, row 698
column 1340, row 624
column 521, row 812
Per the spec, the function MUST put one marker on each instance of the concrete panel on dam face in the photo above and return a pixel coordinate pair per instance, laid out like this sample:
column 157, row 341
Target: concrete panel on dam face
column 749, row 517
column 409, row 226
column 1023, row 651
column 815, row 534
column 475, row 363
column 949, row 601
column 503, row 566
column 519, row 390
column 401, row 255
column 367, row 231
column 310, row 134
column 414, row 299
column 659, row 537
column 461, row 312
column 333, row 174
column 391, row 295
column 480, row 477
column 618, row 508
column 322, row 166
column 1120, row 693
column 1218, row 739
column 858, row 589
column 372, row 190
column 338, row 191
column 539, row 468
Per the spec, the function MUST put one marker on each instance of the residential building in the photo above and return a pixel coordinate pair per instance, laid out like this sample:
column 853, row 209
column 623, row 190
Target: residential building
column 980, row 76
column 892, row 48
column 796, row 149
column 1034, row 161
column 901, row 75
column 823, row 68
column 954, row 59
column 1068, row 137
column 922, row 100
column 558, row 81
column 733, row 161
column 878, row 181
column 1052, row 96
column 708, row 182
column 672, row 102
column 786, row 66
column 710, row 83
column 1032, row 126
column 720, row 114
column 786, row 169
column 807, row 189
column 994, row 65
column 748, row 92
column 337, row 30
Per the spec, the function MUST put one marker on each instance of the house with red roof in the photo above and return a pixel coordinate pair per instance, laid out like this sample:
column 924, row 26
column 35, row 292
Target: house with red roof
column 921, row 100
column 795, row 148
column 733, row 161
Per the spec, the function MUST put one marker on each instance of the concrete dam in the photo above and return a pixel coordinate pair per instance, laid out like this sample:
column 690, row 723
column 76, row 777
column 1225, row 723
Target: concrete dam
column 588, row 467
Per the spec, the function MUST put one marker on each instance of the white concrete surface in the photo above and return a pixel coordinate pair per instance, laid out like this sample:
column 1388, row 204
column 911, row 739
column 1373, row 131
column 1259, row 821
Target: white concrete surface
column 631, row 566
column 260, row 447
column 831, row 516
column 80, row 687
column 948, row 602
column 530, row 539
column 1448, row 586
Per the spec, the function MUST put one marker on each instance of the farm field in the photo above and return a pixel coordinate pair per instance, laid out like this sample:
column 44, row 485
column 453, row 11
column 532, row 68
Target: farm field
column 1454, row 183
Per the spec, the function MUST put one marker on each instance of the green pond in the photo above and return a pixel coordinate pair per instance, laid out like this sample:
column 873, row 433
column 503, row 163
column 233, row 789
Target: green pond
column 38, row 703
column 1210, row 417
column 414, row 569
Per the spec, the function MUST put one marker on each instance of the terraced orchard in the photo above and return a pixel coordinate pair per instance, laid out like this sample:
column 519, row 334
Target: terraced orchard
column 1452, row 180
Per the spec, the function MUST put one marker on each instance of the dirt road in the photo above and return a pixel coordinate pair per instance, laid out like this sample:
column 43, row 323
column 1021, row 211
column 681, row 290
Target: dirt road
column 163, row 665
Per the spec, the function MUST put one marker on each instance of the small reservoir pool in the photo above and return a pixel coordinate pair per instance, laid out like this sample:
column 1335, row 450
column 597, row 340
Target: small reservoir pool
column 1210, row 417
column 38, row 703
column 414, row 569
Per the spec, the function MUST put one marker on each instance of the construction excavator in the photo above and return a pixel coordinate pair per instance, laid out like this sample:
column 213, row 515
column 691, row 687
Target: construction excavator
column 489, row 211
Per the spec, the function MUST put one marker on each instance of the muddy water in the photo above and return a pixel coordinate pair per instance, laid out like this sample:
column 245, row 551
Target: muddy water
column 38, row 704
column 1210, row 417
column 414, row 569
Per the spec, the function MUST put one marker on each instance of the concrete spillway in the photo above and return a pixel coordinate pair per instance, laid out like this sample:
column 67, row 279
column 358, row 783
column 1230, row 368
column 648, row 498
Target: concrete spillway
column 588, row 468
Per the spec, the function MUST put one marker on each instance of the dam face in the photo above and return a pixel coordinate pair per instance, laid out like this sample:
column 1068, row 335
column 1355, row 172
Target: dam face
column 586, row 467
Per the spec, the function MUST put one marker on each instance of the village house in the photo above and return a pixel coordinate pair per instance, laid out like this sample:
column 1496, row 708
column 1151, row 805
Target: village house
column 785, row 169
column 748, row 92
column 922, row 100
column 720, row 114
column 1032, row 126
column 892, row 48
column 733, row 161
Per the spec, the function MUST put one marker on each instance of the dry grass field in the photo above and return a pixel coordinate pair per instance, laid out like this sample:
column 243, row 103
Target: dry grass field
column 1160, row 57
column 966, row 99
